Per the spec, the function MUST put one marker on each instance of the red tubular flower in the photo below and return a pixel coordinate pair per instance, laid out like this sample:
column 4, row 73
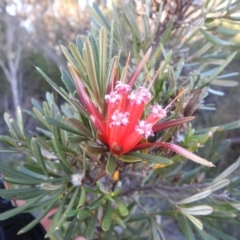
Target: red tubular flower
column 124, row 127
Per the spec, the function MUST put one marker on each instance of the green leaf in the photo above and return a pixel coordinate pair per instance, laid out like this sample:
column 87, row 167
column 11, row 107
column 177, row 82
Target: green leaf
column 197, row 210
column 111, row 164
column 54, row 85
column 83, row 213
column 150, row 158
column 194, row 220
column 215, row 40
column 9, row 151
column 102, row 59
column 187, row 229
column 78, row 57
column 20, row 121
column 195, row 197
column 22, row 193
column 216, row 185
column 94, row 85
column 37, row 219
column 15, row 211
column 107, row 218
column 61, row 125
column 92, row 225
column 64, row 161
column 219, row 69
column 204, row 235
column 167, row 33
column 80, row 126
column 67, row 80
column 217, row 233
column 121, row 207
column 38, row 155
column 69, row 208
column 82, row 198
column 228, row 171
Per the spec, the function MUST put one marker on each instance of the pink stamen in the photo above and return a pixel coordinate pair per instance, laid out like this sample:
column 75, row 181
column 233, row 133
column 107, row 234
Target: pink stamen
column 158, row 111
column 142, row 95
column 113, row 97
column 119, row 119
column 144, row 129
column 122, row 88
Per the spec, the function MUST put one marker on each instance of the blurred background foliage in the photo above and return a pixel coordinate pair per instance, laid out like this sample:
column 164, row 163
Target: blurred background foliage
column 31, row 35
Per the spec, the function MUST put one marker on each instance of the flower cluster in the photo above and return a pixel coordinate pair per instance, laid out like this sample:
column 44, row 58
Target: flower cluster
column 123, row 123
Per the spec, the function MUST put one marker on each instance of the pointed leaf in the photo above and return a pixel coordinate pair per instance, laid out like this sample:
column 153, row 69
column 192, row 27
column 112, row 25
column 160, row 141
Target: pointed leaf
column 111, row 164
column 195, row 197
column 61, row 125
column 197, row 210
column 150, row 158
column 107, row 218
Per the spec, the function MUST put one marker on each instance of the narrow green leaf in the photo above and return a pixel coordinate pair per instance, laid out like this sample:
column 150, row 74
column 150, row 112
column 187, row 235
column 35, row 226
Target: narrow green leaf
column 111, row 164
column 121, row 207
column 8, row 171
column 38, row 155
column 79, row 59
column 197, row 210
column 107, row 218
column 92, row 226
column 54, row 85
column 63, row 160
column 61, row 125
column 155, row 235
column 167, row 33
column 187, row 229
column 37, row 105
column 195, row 197
column 58, row 215
column 150, row 158
column 20, row 121
column 70, row 58
column 83, row 213
column 219, row 69
column 102, row 59
column 217, row 233
column 9, row 151
column 228, row 171
column 215, row 40
column 76, row 139
column 15, row 211
column 67, row 80
column 204, row 235
column 82, row 198
column 216, row 185
column 21, row 194
column 69, row 207
column 37, row 219
column 195, row 221
column 92, row 72
column 41, row 119
column 80, row 126
column 69, row 232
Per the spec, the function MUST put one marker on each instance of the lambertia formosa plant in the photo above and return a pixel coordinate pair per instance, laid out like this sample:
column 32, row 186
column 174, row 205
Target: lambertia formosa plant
column 113, row 159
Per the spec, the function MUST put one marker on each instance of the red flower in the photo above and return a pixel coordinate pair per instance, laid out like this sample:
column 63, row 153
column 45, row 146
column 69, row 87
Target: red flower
column 124, row 126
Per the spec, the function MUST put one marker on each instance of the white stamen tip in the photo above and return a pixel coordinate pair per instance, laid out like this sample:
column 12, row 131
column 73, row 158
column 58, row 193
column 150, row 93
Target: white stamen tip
column 145, row 129
column 76, row 179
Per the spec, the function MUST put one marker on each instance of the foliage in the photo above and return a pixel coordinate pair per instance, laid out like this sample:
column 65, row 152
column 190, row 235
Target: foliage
column 107, row 191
